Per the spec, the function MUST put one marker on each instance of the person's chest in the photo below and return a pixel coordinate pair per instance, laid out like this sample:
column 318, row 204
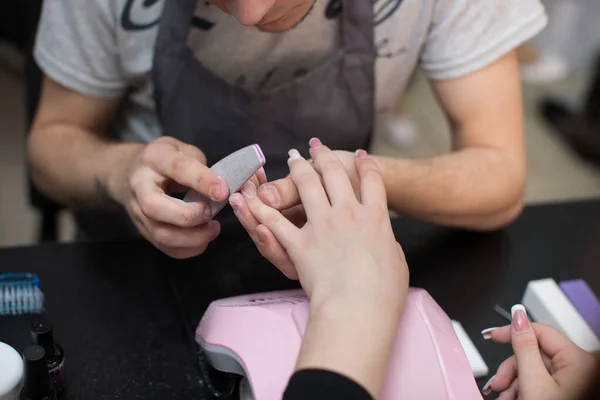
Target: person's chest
column 253, row 59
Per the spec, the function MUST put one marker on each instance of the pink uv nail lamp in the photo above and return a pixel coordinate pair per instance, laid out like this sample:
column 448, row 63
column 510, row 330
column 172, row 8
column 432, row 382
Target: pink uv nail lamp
column 258, row 336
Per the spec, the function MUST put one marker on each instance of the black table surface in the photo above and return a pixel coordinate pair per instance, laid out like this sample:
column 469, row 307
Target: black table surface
column 125, row 313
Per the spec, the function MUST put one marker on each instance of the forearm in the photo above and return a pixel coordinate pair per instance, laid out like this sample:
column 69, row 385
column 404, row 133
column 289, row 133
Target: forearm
column 475, row 188
column 354, row 341
column 74, row 167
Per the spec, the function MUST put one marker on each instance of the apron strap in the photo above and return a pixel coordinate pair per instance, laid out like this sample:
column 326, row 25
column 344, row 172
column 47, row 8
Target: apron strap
column 358, row 27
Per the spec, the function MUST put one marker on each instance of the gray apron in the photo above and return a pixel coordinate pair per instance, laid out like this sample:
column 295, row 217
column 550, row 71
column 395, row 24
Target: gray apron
column 334, row 102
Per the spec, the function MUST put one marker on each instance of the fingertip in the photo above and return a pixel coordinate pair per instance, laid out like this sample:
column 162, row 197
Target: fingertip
column 235, row 201
column 214, row 226
column 269, row 195
column 218, row 191
column 261, row 235
column 294, row 155
column 487, row 333
column 249, row 190
column 314, row 143
column 520, row 321
column 361, row 154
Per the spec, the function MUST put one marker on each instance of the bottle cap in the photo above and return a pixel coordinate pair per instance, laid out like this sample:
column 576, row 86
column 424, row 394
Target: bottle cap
column 11, row 372
column 37, row 384
column 41, row 334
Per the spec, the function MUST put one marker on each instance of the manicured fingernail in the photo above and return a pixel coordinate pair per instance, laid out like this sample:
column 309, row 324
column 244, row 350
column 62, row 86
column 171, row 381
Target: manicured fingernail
column 314, row 142
column 249, row 190
column 520, row 322
column 361, row 153
column 487, row 388
column 294, row 154
column 271, row 194
column 217, row 191
column 262, row 238
column 487, row 333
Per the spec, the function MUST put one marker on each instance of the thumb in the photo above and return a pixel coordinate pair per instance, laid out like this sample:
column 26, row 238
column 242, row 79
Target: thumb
column 530, row 365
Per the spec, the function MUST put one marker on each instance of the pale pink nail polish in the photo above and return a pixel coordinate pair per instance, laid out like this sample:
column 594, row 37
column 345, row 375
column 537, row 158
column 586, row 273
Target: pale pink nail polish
column 294, row 154
column 314, row 142
column 520, row 322
column 361, row 154
column 487, row 388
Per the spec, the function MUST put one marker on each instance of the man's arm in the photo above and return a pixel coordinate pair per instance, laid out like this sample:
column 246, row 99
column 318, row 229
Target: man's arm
column 480, row 185
column 71, row 159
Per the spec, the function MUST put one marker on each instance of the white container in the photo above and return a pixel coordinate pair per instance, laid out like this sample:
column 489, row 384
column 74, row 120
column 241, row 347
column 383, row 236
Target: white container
column 11, row 372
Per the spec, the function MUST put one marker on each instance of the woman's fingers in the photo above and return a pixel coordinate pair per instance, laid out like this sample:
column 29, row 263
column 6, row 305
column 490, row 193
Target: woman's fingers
column 244, row 215
column 512, row 392
column 335, row 179
column 372, row 188
column 532, row 370
column 286, row 233
column 505, row 375
column 309, row 186
column 273, row 251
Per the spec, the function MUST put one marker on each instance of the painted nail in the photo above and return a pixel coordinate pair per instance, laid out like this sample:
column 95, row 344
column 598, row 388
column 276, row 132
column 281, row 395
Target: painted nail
column 249, row 190
column 520, row 322
column 217, row 191
column 271, row 194
column 487, row 388
column 314, row 142
column 294, row 154
column 487, row 333
column 361, row 153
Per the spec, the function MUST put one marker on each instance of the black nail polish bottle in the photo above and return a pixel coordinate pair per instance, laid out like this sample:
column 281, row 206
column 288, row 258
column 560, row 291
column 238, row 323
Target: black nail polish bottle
column 41, row 333
column 37, row 384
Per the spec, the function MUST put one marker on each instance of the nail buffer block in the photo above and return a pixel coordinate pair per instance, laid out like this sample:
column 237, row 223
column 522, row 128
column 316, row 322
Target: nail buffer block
column 235, row 169
column 478, row 366
column 546, row 303
column 584, row 300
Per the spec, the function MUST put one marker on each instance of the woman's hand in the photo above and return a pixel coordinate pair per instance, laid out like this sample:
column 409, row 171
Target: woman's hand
column 347, row 260
column 347, row 242
column 283, row 195
column 546, row 365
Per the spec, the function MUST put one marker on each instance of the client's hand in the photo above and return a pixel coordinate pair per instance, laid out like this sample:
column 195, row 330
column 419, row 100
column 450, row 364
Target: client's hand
column 347, row 260
column 546, row 365
column 283, row 195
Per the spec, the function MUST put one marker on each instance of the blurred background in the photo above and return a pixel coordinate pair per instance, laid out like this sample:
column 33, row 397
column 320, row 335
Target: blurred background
column 561, row 79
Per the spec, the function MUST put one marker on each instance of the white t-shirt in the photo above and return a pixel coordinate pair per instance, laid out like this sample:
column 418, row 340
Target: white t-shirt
column 104, row 48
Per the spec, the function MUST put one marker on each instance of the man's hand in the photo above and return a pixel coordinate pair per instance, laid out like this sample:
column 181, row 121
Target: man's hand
column 179, row 229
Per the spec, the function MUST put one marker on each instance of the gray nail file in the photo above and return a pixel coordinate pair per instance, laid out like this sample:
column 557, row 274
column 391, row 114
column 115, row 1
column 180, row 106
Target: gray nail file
column 235, row 169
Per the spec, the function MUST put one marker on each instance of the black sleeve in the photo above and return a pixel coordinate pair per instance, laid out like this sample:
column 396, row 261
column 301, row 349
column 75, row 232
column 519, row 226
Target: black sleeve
column 323, row 385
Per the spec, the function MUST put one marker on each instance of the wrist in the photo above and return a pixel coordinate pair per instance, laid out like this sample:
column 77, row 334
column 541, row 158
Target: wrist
column 122, row 157
column 373, row 308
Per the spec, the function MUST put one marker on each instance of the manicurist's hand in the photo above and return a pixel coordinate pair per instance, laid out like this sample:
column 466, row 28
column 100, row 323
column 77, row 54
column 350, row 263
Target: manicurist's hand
column 284, row 196
column 546, row 364
column 179, row 229
column 347, row 260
